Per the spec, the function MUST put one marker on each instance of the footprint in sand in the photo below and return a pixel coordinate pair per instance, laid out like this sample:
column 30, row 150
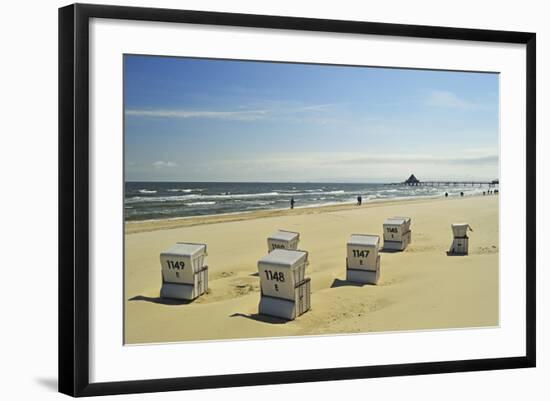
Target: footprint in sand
column 387, row 283
column 220, row 275
column 236, row 287
column 421, row 248
column 244, row 289
column 484, row 250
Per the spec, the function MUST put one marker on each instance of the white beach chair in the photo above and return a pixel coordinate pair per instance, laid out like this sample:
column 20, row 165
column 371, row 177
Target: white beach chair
column 184, row 275
column 285, row 291
column 363, row 260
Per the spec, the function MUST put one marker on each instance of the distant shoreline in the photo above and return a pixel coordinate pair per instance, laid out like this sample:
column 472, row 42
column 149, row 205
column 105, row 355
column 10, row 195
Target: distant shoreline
column 139, row 226
column 160, row 201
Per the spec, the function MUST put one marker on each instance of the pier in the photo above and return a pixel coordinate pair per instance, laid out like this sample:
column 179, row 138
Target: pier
column 413, row 181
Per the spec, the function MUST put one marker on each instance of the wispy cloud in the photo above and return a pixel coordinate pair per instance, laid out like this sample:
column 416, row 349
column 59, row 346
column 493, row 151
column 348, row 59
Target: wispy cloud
column 447, row 99
column 285, row 110
column 243, row 115
column 422, row 159
column 307, row 160
column 351, row 167
column 164, row 164
column 482, row 150
column 316, row 107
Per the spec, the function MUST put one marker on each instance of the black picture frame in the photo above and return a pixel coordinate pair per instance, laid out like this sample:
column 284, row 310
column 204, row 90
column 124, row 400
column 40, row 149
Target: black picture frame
column 74, row 198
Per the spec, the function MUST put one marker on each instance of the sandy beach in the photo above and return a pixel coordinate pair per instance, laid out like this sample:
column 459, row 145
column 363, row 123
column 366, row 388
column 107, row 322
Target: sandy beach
column 420, row 288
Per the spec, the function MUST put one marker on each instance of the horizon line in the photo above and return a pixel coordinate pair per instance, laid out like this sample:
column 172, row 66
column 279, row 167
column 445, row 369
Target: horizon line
column 311, row 182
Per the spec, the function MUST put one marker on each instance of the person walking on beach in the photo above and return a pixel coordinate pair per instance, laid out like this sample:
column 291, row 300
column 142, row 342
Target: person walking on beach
column 462, row 194
column 446, row 194
column 292, row 203
column 359, row 200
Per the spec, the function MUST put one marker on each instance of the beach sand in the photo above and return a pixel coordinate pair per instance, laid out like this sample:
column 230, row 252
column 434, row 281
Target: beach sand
column 420, row 288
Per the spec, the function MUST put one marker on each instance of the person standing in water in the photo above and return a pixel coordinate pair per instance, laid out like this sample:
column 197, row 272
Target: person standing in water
column 359, row 200
column 292, row 203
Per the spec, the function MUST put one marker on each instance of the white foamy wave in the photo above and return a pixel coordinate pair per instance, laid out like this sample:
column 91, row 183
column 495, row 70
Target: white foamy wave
column 302, row 191
column 179, row 198
column 185, row 190
column 241, row 196
column 200, row 203
column 141, row 199
column 264, row 203
column 308, row 192
column 147, row 191
column 205, row 198
column 325, row 204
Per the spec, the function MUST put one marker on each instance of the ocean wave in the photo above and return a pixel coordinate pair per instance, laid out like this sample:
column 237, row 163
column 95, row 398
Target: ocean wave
column 192, row 197
column 203, row 197
column 297, row 191
column 265, row 203
column 177, row 198
column 242, row 196
column 181, row 200
column 185, row 190
column 272, row 194
column 200, row 203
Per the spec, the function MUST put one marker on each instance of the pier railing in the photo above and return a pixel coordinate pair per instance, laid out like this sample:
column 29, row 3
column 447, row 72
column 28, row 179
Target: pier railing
column 449, row 183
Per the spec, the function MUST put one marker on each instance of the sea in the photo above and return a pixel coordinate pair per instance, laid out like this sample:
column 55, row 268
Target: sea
column 169, row 200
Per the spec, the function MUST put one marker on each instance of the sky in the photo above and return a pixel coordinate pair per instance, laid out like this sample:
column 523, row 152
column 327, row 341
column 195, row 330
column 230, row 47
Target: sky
column 203, row 120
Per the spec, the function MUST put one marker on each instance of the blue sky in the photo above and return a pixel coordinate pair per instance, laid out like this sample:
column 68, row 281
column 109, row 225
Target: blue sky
column 216, row 120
